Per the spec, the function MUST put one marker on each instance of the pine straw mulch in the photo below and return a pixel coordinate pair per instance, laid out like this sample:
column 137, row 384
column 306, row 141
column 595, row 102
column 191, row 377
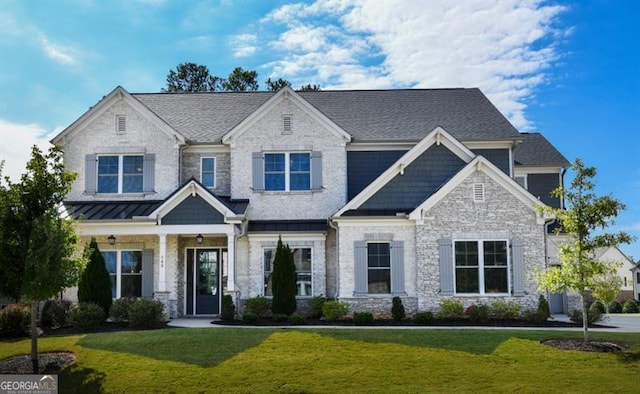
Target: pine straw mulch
column 48, row 363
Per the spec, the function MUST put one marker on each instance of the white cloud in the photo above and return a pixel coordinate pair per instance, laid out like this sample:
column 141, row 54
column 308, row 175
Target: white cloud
column 244, row 45
column 16, row 141
column 503, row 47
column 58, row 53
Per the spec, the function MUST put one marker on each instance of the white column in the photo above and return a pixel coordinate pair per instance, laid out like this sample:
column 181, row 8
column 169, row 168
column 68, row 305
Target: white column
column 162, row 272
column 231, row 262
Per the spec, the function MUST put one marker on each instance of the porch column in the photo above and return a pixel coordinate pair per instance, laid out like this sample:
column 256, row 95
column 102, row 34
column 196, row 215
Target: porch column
column 231, row 262
column 162, row 272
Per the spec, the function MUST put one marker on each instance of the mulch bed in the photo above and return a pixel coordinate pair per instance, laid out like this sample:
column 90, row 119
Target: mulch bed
column 48, row 363
column 602, row 346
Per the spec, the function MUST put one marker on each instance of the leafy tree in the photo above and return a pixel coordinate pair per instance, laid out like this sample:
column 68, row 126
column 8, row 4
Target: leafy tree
column 241, row 81
column 191, row 77
column 309, row 88
column 95, row 281
column 585, row 218
column 277, row 85
column 606, row 286
column 284, row 281
column 36, row 243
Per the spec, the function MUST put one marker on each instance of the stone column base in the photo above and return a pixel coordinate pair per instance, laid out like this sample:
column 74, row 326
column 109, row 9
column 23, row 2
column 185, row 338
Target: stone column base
column 163, row 297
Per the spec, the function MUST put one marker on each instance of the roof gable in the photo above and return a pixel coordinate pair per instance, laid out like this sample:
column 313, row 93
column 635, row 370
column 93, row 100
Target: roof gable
column 190, row 189
column 488, row 168
column 117, row 94
column 437, row 137
column 285, row 93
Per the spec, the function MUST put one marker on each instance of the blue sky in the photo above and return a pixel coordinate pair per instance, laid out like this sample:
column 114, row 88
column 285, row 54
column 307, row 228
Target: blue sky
column 570, row 70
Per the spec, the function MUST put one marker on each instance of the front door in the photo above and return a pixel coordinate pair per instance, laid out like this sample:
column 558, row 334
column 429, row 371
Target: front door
column 203, row 281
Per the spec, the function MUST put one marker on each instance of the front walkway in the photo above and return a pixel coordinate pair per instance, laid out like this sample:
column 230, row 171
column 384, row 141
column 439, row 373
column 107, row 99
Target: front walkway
column 618, row 323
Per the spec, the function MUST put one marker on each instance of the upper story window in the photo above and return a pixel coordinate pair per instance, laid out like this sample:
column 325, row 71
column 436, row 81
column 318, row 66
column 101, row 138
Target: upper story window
column 208, row 171
column 120, row 174
column 287, row 171
column 481, row 267
column 121, row 124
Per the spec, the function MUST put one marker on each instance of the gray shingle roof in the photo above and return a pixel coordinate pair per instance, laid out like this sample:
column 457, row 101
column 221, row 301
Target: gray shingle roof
column 367, row 115
column 535, row 150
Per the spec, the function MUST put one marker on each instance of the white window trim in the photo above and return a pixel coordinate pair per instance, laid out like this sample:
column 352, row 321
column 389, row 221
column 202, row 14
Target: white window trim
column 481, row 283
column 119, row 268
column 120, row 172
column 215, row 171
column 287, row 172
column 291, row 246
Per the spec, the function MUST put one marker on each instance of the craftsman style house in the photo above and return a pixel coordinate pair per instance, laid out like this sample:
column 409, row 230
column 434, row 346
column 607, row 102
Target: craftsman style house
column 422, row 194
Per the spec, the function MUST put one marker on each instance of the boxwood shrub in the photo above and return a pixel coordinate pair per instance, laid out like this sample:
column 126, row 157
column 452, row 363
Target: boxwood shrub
column 630, row 306
column 363, row 318
column 423, row 318
column 86, row 316
column 15, row 321
column 144, row 313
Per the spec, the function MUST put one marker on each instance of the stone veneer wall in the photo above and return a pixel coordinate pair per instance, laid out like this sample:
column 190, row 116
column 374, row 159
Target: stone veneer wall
column 191, row 169
column 501, row 215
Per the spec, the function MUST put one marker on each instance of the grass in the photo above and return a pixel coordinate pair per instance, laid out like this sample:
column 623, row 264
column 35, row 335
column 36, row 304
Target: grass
column 344, row 360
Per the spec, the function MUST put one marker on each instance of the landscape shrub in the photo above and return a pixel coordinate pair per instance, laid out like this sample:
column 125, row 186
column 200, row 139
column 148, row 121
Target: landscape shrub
column 335, row 310
column 86, row 316
column 54, row 313
column 501, row 310
column 296, row 319
column 283, row 277
column 280, row 317
column 597, row 305
column 630, row 306
column 592, row 316
column 15, row 321
column 451, row 309
column 535, row 316
column 315, row 306
column 397, row 309
column 228, row 308
column 615, row 307
column 95, row 284
column 423, row 318
column 119, row 310
column 249, row 318
column 258, row 305
column 146, row 314
column 543, row 306
column 477, row 313
column 363, row 318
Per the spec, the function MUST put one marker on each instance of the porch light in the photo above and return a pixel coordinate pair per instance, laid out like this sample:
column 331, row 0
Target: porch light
column 199, row 239
column 112, row 240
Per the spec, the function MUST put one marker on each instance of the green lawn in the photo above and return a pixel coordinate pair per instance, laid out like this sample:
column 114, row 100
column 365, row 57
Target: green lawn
column 332, row 360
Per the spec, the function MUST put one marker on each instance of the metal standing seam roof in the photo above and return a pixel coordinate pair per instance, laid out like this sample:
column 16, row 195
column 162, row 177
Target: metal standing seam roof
column 109, row 210
column 367, row 115
column 536, row 150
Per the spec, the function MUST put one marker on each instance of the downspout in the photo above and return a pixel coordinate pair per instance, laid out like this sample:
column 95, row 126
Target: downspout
column 333, row 226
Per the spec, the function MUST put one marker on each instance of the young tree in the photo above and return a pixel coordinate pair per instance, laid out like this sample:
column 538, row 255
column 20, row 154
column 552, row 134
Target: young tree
column 36, row 244
column 95, row 281
column 284, row 281
column 584, row 217
column 241, row 81
column 192, row 77
column 277, row 85
column 606, row 286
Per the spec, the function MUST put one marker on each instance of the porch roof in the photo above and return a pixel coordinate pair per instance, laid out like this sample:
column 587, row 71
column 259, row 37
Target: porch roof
column 109, row 210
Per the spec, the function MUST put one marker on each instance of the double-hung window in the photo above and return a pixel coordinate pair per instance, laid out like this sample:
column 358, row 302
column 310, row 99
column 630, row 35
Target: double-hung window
column 481, row 267
column 287, row 171
column 120, row 174
column 125, row 269
column 208, row 171
column 378, row 268
column 302, row 261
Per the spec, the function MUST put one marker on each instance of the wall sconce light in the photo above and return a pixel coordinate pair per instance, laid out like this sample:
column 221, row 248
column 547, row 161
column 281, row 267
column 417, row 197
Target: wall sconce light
column 112, row 240
column 199, row 239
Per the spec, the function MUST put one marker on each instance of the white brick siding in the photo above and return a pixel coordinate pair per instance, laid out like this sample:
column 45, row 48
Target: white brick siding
column 100, row 136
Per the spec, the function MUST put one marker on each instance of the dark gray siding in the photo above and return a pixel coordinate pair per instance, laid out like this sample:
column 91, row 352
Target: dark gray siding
column 364, row 167
column 421, row 179
column 541, row 185
column 499, row 157
column 193, row 210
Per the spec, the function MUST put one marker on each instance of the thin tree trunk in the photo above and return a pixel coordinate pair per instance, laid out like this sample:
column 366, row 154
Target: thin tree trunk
column 585, row 318
column 34, row 336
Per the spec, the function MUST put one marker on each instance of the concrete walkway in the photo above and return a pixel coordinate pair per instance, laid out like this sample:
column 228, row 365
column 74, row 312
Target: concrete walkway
column 617, row 322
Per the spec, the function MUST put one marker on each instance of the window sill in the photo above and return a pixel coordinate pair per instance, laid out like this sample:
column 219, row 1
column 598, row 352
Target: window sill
column 287, row 193
column 482, row 294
